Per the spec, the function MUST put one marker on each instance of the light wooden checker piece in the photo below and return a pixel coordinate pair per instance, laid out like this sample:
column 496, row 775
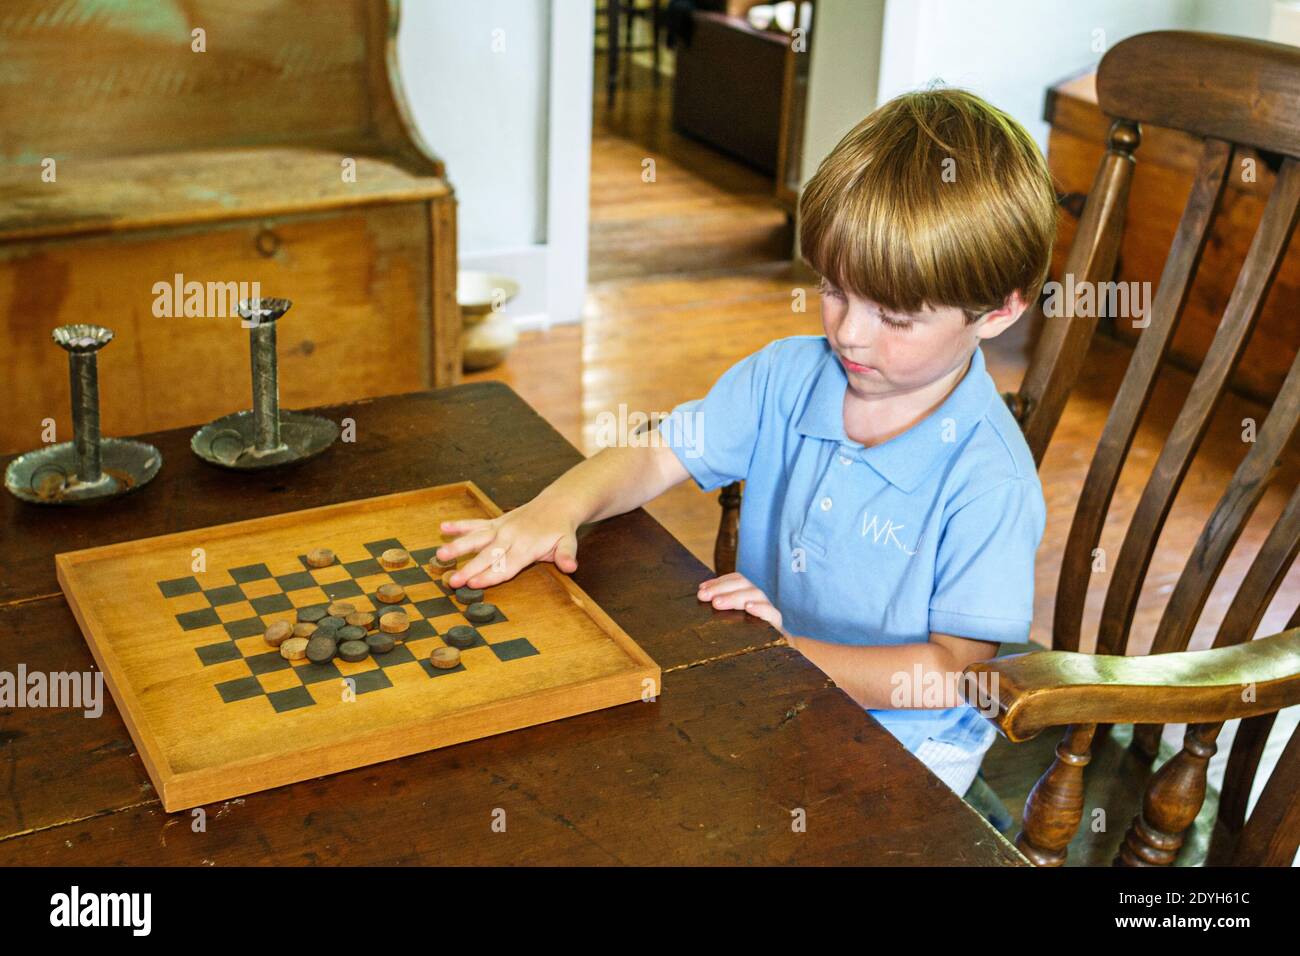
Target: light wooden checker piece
column 215, row 712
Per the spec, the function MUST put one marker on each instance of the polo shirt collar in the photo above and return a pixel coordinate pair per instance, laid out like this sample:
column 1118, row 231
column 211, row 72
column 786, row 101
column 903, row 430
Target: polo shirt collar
column 905, row 459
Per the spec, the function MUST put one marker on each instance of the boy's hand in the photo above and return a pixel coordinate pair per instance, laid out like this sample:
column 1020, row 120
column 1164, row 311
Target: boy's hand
column 510, row 543
column 735, row 591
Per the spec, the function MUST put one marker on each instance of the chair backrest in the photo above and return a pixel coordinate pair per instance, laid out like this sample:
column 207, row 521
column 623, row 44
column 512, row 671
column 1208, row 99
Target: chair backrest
column 1157, row 78
column 83, row 77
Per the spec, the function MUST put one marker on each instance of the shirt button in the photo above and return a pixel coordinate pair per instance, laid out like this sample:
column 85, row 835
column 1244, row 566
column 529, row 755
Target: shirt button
column 826, row 504
column 845, row 460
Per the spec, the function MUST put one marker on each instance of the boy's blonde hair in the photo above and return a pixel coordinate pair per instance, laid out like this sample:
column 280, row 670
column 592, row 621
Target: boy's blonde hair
column 887, row 218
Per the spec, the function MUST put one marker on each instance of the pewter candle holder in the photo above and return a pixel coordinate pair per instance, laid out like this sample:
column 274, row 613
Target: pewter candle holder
column 90, row 467
column 265, row 436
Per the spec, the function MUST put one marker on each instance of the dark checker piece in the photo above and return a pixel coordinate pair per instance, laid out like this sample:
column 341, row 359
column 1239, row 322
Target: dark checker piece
column 469, row 595
column 310, row 615
column 350, row 632
column 321, row 648
column 481, row 613
column 462, row 635
column 329, row 625
column 380, row 643
column 354, row 651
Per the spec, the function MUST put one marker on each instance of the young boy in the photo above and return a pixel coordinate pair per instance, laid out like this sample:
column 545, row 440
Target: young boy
column 891, row 509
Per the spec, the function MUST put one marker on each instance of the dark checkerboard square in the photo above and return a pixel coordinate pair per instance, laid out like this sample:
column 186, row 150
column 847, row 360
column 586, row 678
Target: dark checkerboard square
column 419, row 629
column 342, row 589
column 266, row 663
column 217, row 653
column 178, row 586
column 436, row 607
column 376, row 548
column 250, row 572
column 367, row 681
column 245, row 627
column 270, row 603
column 400, row 654
column 425, row 555
column 230, row 594
column 295, row 581
column 359, row 569
column 193, row 620
column 290, row 699
column 514, row 649
column 313, row 673
column 407, row 576
column 438, row 671
column 240, row 689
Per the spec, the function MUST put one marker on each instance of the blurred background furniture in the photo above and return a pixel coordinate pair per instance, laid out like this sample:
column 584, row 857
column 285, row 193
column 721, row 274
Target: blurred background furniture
column 224, row 142
column 620, row 25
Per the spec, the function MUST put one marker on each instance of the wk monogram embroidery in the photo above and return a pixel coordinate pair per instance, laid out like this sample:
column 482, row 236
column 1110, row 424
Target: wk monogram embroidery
column 884, row 533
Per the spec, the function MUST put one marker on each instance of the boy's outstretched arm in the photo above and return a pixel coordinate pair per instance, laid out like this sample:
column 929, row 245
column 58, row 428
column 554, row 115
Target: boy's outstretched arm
column 611, row 482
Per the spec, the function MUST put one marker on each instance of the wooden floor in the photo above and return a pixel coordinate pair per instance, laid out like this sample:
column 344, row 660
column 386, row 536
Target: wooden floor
column 689, row 274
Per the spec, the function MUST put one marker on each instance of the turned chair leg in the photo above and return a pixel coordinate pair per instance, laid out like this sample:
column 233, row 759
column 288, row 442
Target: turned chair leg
column 1055, row 805
column 1173, row 799
column 724, row 547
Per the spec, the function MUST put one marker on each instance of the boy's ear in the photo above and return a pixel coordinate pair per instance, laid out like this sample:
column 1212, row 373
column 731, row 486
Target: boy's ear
column 999, row 320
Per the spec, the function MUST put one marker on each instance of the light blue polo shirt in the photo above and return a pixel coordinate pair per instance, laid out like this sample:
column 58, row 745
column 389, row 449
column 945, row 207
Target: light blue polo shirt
column 933, row 530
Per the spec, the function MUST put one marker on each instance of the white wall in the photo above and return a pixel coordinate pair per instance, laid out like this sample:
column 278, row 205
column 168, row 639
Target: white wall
column 481, row 78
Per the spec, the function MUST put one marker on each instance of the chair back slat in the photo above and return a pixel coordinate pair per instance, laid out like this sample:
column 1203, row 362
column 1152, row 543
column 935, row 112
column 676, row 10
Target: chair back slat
column 1244, row 306
column 1272, row 833
column 1251, row 479
column 1061, row 349
column 1135, row 390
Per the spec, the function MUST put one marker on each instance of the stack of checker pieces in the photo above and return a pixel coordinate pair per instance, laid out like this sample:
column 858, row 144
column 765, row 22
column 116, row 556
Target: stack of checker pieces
column 258, row 601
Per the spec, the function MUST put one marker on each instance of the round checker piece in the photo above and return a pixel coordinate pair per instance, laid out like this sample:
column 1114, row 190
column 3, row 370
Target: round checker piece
column 362, row 619
column 391, row 593
column 380, row 643
column 329, row 625
column 310, row 615
column 278, row 633
column 461, row 635
column 320, row 557
column 321, row 648
column 444, row 658
column 341, row 609
column 304, row 630
column 394, row 622
column 469, row 595
column 353, row 651
column 481, row 612
column 294, row 649
column 350, row 633
column 394, row 558
column 441, row 564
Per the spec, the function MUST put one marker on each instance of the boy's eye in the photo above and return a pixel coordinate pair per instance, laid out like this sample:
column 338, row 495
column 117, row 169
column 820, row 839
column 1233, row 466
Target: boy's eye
column 896, row 323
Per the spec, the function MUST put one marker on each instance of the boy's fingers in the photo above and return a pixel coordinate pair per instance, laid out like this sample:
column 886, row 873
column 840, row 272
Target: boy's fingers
column 725, row 585
column 737, row 598
column 462, row 525
column 566, row 554
column 764, row 611
column 492, row 566
column 474, row 540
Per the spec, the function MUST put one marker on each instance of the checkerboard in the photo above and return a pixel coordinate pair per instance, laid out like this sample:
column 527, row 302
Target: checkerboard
column 233, row 608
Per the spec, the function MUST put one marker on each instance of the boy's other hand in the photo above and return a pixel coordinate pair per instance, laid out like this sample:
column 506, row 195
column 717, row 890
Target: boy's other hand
column 504, row 546
column 735, row 591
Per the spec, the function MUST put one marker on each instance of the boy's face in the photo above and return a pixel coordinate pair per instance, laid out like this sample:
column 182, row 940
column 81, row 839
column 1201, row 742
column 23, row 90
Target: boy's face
column 886, row 353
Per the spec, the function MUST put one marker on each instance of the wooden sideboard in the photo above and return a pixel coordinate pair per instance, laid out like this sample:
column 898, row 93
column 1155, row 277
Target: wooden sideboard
column 1161, row 182
column 224, row 142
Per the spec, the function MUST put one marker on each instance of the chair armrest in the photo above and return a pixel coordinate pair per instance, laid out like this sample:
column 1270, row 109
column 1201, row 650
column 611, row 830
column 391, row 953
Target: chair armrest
column 1025, row 694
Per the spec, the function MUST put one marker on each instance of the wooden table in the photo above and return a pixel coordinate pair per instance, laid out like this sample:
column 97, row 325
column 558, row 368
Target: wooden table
column 744, row 733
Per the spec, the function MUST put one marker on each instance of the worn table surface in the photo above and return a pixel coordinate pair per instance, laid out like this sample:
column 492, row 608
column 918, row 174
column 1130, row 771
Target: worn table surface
column 745, row 733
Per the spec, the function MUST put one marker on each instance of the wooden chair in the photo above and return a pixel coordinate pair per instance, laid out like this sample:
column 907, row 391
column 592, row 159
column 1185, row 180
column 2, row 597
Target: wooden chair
column 1251, row 102
column 228, row 141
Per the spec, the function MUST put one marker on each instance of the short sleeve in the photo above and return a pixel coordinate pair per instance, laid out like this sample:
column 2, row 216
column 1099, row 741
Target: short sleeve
column 714, row 437
column 984, row 572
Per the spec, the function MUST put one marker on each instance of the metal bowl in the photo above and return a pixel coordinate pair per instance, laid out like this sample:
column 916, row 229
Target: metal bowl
column 48, row 476
column 230, row 442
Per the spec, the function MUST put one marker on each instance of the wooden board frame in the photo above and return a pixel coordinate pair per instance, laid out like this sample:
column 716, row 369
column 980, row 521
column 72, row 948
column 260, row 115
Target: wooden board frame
column 288, row 762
